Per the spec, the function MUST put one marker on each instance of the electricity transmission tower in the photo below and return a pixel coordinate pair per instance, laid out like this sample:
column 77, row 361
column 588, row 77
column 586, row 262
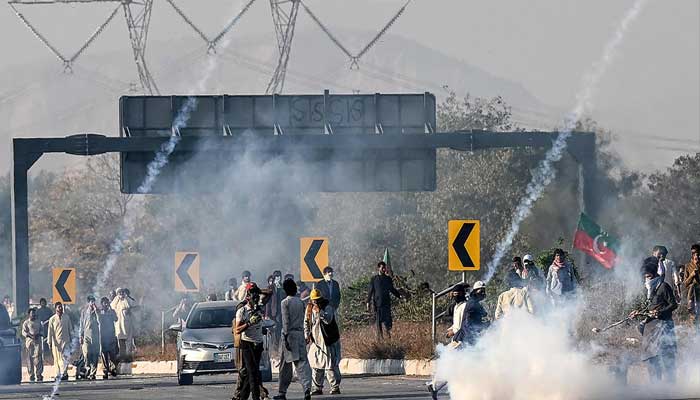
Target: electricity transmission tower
column 138, row 17
column 284, row 18
column 137, row 14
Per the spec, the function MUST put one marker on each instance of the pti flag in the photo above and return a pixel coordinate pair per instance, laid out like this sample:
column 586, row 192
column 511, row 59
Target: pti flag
column 595, row 242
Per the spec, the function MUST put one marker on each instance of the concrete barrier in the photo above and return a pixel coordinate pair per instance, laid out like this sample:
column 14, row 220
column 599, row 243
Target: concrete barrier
column 348, row 366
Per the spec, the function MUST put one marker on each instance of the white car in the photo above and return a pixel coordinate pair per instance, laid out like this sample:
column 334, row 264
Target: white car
column 205, row 342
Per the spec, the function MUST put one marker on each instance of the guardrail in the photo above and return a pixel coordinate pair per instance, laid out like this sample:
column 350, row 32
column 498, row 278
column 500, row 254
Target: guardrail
column 437, row 295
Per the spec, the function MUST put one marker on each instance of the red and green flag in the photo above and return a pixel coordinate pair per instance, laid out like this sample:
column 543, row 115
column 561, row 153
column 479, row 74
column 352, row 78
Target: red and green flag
column 595, row 242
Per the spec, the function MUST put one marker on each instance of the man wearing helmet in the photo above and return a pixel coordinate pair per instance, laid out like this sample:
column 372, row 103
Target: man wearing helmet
column 321, row 331
column 249, row 326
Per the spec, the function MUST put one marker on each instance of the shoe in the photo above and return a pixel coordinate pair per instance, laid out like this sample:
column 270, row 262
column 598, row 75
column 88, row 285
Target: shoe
column 280, row 397
column 39, row 378
column 64, row 377
column 114, row 372
column 317, row 392
column 31, row 379
column 307, row 395
column 105, row 377
column 335, row 391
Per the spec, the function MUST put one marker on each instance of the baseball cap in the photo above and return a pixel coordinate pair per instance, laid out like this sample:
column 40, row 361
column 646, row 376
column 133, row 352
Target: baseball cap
column 528, row 257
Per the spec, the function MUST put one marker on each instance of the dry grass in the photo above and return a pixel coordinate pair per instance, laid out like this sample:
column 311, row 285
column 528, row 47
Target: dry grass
column 409, row 340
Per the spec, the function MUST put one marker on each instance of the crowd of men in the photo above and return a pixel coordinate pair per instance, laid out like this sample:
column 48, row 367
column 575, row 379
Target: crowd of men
column 104, row 332
column 306, row 339
column 665, row 285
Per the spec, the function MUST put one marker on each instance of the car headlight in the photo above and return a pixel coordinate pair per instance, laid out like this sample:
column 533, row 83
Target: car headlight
column 191, row 345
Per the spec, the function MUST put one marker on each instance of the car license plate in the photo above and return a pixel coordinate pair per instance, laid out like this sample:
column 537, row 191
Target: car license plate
column 222, row 357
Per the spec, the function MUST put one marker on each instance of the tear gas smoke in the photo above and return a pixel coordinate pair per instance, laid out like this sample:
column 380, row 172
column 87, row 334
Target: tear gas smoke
column 546, row 172
column 534, row 357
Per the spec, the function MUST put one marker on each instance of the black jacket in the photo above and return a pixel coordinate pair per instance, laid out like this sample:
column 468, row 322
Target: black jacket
column 379, row 288
column 324, row 287
column 664, row 301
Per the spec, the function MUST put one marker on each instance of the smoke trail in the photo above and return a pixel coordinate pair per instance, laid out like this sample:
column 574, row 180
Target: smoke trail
column 156, row 166
column 545, row 172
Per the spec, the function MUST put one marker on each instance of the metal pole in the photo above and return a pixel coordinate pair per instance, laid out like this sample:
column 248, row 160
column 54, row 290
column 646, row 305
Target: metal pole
column 464, row 276
column 433, row 318
column 162, row 332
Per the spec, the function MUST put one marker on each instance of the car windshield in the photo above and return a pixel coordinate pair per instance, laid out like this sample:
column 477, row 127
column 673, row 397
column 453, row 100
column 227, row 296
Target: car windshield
column 202, row 318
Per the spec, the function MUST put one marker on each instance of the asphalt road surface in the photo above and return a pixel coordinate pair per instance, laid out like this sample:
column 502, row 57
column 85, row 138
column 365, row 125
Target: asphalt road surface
column 214, row 387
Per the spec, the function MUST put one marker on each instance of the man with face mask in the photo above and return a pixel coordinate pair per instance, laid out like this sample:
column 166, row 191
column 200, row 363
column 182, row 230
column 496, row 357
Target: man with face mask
column 33, row 334
column 330, row 288
column 475, row 318
column 561, row 281
column 90, row 337
column 249, row 326
column 658, row 337
column 691, row 281
column 242, row 289
column 321, row 331
column 60, row 334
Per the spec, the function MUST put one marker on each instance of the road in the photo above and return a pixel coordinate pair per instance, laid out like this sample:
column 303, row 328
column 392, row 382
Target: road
column 214, row 387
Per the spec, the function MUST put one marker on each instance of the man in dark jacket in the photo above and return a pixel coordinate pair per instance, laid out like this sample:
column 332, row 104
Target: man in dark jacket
column 658, row 337
column 379, row 288
column 330, row 288
column 475, row 318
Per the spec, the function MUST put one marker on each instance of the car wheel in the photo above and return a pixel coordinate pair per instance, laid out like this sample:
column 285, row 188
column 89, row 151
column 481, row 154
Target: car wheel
column 184, row 379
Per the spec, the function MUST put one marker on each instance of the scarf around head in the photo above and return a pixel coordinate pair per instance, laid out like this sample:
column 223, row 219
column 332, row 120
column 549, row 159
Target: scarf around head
column 652, row 285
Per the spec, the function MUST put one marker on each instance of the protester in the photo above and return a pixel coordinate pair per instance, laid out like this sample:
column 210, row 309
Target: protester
column 33, row 334
column 475, row 318
column 9, row 306
column 90, row 337
column 293, row 344
column 321, row 331
column 531, row 273
column 691, row 281
column 287, row 276
column 108, row 339
column 659, row 339
column 560, row 278
column 666, row 268
column 378, row 297
column 232, row 288
column 249, row 326
column 272, row 310
column 243, row 288
column 59, row 336
column 182, row 311
column 124, row 327
column 458, row 294
column 43, row 314
column 330, row 288
column 513, row 277
column 517, row 297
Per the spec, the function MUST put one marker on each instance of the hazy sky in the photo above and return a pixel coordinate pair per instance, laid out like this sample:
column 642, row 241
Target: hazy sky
column 652, row 90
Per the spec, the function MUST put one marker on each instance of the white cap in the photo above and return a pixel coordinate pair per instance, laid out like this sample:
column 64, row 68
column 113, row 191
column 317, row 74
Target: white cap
column 528, row 257
column 478, row 285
